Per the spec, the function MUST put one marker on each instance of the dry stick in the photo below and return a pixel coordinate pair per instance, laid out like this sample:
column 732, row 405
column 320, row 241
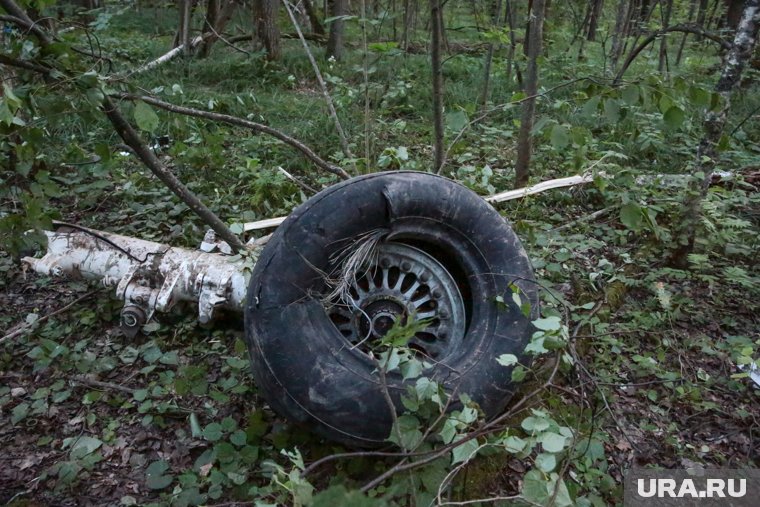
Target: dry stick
column 133, row 140
column 240, row 122
column 20, row 330
column 98, row 384
column 323, row 86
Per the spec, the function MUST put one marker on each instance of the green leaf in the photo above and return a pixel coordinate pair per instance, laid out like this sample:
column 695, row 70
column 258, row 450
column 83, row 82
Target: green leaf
column 155, row 478
column 552, row 442
column 464, row 452
column 85, row 445
column 612, row 110
column 449, row 430
column 559, row 137
column 552, row 323
column 515, row 444
column 546, row 462
column 456, row 120
column 631, row 95
column 239, row 438
column 145, row 117
column 631, row 217
column 212, row 432
column 673, row 117
column 507, row 359
column 195, row 426
column 20, row 411
column 534, row 425
column 407, row 428
column 519, row 373
column 591, row 107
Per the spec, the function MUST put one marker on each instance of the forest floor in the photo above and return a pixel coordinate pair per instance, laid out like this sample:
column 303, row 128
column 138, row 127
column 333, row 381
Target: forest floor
column 138, row 401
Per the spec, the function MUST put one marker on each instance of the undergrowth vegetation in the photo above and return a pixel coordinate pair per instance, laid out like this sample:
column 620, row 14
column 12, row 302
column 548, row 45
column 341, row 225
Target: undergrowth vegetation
column 634, row 363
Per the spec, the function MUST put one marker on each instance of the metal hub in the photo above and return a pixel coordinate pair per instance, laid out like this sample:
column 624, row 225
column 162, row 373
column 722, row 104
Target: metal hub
column 403, row 282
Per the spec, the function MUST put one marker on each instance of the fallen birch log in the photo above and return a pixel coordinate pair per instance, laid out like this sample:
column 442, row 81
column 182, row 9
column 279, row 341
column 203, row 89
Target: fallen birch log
column 171, row 54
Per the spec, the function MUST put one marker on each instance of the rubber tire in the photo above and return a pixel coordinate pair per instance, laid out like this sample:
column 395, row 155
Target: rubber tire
column 300, row 361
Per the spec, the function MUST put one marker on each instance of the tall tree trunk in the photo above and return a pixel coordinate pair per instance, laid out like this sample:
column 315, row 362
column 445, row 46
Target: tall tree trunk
column 667, row 8
column 524, row 141
column 715, row 121
column 692, row 8
column 335, row 41
column 209, row 25
column 593, row 22
column 212, row 31
column 182, row 37
column 618, row 34
column 702, row 14
column 437, row 83
column 495, row 13
column 509, row 19
column 265, row 14
column 311, row 12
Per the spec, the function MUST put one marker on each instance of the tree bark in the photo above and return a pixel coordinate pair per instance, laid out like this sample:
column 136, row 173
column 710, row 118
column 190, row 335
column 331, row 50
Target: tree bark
column 311, row 12
column 667, row 9
column 692, row 8
column 618, row 35
column 593, row 22
column 437, row 83
column 524, row 142
column 265, row 14
column 335, row 40
column 715, row 121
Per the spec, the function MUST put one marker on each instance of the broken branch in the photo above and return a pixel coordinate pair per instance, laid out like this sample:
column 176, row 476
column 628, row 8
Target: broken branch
column 240, row 122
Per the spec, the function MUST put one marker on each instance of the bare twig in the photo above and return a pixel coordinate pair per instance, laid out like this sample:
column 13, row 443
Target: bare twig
column 323, row 86
column 240, row 122
column 98, row 384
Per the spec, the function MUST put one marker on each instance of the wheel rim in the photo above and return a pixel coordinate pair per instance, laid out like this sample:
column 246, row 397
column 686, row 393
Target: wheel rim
column 402, row 282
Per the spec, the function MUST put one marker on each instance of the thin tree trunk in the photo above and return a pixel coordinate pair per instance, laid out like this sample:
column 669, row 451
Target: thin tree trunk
column 496, row 11
column 183, row 32
column 407, row 23
column 666, row 10
column 692, row 8
column 509, row 18
column 335, row 41
column 714, row 124
column 593, row 23
column 265, row 13
column 702, row 14
column 524, row 142
column 618, row 35
column 437, row 83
